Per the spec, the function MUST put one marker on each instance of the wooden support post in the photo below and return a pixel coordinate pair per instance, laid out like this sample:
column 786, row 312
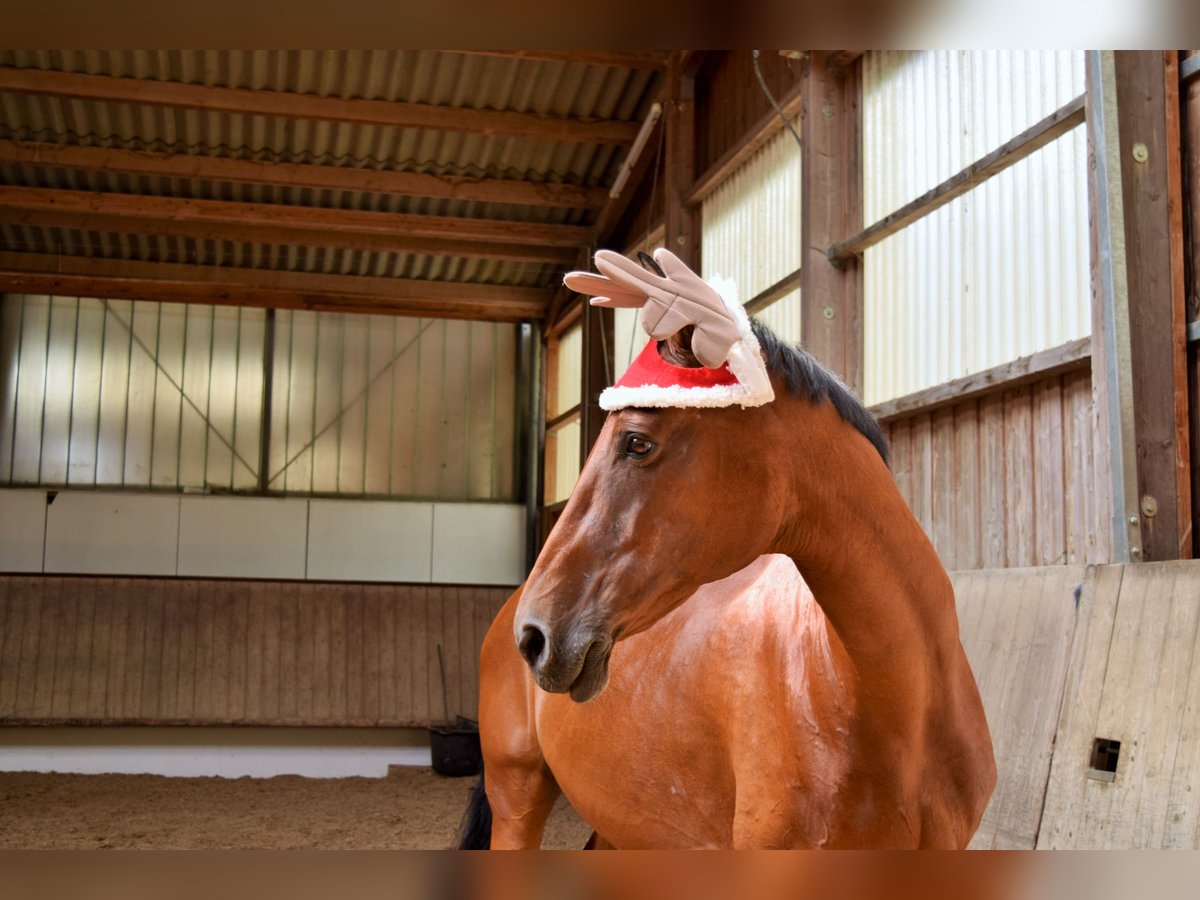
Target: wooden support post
column 831, row 197
column 1151, row 175
column 682, row 236
column 1191, row 179
column 1138, row 319
column 597, row 373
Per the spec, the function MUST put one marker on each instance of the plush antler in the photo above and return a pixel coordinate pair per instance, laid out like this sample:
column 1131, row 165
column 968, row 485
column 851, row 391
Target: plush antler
column 722, row 339
column 669, row 303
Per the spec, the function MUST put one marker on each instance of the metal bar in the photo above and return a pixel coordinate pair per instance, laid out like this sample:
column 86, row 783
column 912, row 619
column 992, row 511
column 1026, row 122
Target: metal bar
column 100, row 392
column 264, row 443
column 212, row 331
column 416, row 430
column 154, row 393
column 287, row 413
column 312, row 469
column 71, row 408
column 128, row 378
column 237, row 381
column 531, row 411
column 467, row 452
column 12, row 439
column 366, row 429
column 1111, row 299
column 1029, row 141
column 1066, row 357
column 1188, row 69
column 341, row 377
column 45, row 390
column 391, row 417
column 779, row 289
column 494, row 475
column 187, row 318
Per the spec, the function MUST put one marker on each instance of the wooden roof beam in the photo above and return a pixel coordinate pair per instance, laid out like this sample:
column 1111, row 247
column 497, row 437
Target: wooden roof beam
column 242, row 101
column 74, row 276
column 616, row 59
column 302, row 175
column 305, row 224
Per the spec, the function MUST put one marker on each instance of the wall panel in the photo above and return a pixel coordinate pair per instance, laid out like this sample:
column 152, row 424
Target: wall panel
column 1003, row 481
column 998, row 273
column 751, row 230
column 151, row 651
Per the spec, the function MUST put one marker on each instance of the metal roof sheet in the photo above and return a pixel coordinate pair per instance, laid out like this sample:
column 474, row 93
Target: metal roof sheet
column 442, row 78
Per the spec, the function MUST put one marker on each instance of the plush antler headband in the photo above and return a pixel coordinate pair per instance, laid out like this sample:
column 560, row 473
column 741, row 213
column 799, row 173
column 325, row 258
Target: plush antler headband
column 722, row 340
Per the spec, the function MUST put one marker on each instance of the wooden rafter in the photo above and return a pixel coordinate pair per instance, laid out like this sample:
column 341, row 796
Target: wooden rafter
column 617, row 59
column 242, row 101
column 47, row 208
column 305, row 175
column 315, row 222
column 123, row 279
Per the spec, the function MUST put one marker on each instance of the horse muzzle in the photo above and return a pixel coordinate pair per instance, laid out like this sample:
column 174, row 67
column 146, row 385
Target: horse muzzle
column 577, row 664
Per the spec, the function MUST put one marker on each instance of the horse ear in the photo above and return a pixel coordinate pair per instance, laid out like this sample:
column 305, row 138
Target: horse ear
column 677, row 349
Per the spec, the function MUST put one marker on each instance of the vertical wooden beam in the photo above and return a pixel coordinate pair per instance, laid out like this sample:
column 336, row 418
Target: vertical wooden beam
column 597, row 373
column 1151, row 178
column 682, row 220
column 1191, row 193
column 1138, row 319
column 831, row 198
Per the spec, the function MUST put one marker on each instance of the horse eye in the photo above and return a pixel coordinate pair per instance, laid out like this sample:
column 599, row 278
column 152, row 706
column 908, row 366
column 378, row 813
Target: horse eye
column 638, row 446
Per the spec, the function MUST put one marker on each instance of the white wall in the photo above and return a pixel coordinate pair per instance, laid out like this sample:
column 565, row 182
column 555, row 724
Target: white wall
column 214, row 752
column 122, row 533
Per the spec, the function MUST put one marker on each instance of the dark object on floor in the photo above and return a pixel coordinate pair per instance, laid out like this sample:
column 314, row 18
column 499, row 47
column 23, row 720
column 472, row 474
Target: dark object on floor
column 455, row 748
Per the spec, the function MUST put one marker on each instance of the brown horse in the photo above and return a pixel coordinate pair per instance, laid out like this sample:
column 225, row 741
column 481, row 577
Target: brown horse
column 755, row 713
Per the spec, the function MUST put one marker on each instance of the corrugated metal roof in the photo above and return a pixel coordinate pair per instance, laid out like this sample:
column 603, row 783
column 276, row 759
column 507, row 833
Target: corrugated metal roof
column 442, row 78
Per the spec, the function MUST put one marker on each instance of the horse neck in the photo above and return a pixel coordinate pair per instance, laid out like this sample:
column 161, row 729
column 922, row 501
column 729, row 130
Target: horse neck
column 861, row 551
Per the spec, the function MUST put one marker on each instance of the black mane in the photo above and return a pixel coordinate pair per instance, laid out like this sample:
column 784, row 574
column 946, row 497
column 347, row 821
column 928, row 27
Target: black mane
column 803, row 373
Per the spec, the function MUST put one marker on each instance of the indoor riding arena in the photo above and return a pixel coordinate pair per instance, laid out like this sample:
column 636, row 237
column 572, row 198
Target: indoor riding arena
column 292, row 394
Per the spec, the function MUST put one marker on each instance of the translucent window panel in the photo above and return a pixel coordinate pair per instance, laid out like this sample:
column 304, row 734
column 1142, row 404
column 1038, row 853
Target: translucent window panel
column 391, row 406
column 562, row 460
column 751, row 230
column 567, row 372
column 628, row 339
column 121, row 393
column 1002, row 271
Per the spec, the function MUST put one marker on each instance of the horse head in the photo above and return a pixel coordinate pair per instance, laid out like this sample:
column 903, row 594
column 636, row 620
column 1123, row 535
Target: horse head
column 672, row 496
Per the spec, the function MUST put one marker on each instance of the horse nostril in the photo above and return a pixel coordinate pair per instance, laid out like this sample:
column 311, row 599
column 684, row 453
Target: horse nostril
column 532, row 644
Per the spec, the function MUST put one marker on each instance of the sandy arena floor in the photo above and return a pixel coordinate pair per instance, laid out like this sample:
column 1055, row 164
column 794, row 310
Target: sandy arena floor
column 411, row 809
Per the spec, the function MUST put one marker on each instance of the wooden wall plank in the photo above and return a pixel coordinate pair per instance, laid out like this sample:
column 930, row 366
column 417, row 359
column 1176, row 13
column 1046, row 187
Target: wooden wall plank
column 1018, row 477
column 1080, row 709
column 921, row 472
column 1048, row 494
column 1022, row 645
column 899, row 437
column 967, row 506
column 993, row 499
column 945, row 489
column 167, row 651
column 1005, row 480
column 1149, row 661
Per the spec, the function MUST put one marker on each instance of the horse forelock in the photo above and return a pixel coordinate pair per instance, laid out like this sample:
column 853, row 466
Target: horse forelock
column 803, row 374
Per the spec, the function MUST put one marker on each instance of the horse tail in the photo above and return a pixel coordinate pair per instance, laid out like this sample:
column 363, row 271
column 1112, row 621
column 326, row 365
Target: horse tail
column 475, row 832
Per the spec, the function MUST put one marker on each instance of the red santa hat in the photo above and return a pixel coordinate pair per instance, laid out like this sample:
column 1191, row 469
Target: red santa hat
column 732, row 370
